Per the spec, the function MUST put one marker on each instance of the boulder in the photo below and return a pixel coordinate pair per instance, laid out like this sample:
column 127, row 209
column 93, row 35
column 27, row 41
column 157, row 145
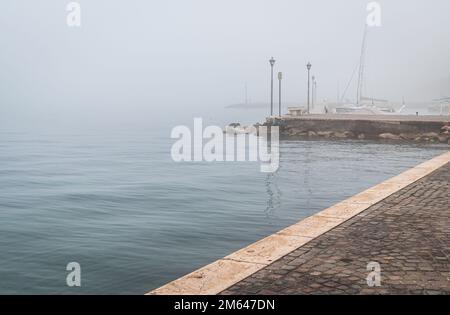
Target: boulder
column 408, row 136
column 349, row 134
column 294, row 132
column 326, row 134
column 389, row 136
column 431, row 135
column 445, row 129
column 361, row 136
column 340, row 134
column 443, row 138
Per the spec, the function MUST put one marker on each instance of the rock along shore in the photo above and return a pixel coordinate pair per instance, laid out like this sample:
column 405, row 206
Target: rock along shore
column 430, row 129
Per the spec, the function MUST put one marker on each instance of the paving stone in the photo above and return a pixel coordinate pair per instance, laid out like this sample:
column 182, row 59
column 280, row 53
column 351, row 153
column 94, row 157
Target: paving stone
column 408, row 234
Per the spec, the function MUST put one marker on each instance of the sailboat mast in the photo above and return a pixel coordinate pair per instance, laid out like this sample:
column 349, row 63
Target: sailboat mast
column 361, row 68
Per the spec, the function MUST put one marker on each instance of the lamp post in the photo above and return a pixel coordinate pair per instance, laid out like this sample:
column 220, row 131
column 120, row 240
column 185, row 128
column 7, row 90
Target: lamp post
column 315, row 91
column 308, row 66
column 272, row 62
column 280, row 77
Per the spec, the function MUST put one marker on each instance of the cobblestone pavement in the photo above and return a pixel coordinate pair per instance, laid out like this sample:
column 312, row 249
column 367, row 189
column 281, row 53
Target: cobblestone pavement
column 408, row 234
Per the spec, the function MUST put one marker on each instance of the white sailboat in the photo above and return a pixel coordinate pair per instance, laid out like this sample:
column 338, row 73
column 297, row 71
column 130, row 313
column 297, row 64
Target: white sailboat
column 442, row 106
column 365, row 105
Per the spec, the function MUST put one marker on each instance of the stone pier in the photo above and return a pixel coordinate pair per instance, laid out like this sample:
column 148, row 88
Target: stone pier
column 386, row 127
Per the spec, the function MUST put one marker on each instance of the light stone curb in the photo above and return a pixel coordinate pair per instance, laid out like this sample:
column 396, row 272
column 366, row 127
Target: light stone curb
column 223, row 273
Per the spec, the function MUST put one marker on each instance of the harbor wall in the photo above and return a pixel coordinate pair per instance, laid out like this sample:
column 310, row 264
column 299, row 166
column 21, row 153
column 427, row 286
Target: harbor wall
column 400, row 129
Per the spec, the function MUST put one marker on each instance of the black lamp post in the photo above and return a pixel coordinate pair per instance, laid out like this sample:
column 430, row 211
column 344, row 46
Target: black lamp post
column 272, row 62
column 308, row 66
column 280, row 77
column 313, row 92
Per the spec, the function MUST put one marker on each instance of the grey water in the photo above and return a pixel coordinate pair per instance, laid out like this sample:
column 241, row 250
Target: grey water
column 116, row 203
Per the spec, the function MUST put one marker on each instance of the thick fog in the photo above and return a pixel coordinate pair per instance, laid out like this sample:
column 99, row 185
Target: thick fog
column 136, row 61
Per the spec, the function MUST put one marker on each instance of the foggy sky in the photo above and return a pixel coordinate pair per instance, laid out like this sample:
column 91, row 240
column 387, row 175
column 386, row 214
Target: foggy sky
column 134, row 58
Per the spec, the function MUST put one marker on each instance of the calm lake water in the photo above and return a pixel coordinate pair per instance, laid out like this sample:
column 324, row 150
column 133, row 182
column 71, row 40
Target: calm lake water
column 117, row 204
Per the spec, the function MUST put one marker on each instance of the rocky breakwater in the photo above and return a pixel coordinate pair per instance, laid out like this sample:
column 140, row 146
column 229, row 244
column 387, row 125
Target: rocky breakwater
column 435, row 137
column 414, row 130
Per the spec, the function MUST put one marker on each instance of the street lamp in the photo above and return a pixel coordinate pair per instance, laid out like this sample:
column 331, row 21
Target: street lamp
column 280, row 76
column 272, row 62
column 308, row 66
column 314, row 91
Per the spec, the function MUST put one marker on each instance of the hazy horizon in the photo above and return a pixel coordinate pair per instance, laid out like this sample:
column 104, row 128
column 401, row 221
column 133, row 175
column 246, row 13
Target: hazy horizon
column 137, row 60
